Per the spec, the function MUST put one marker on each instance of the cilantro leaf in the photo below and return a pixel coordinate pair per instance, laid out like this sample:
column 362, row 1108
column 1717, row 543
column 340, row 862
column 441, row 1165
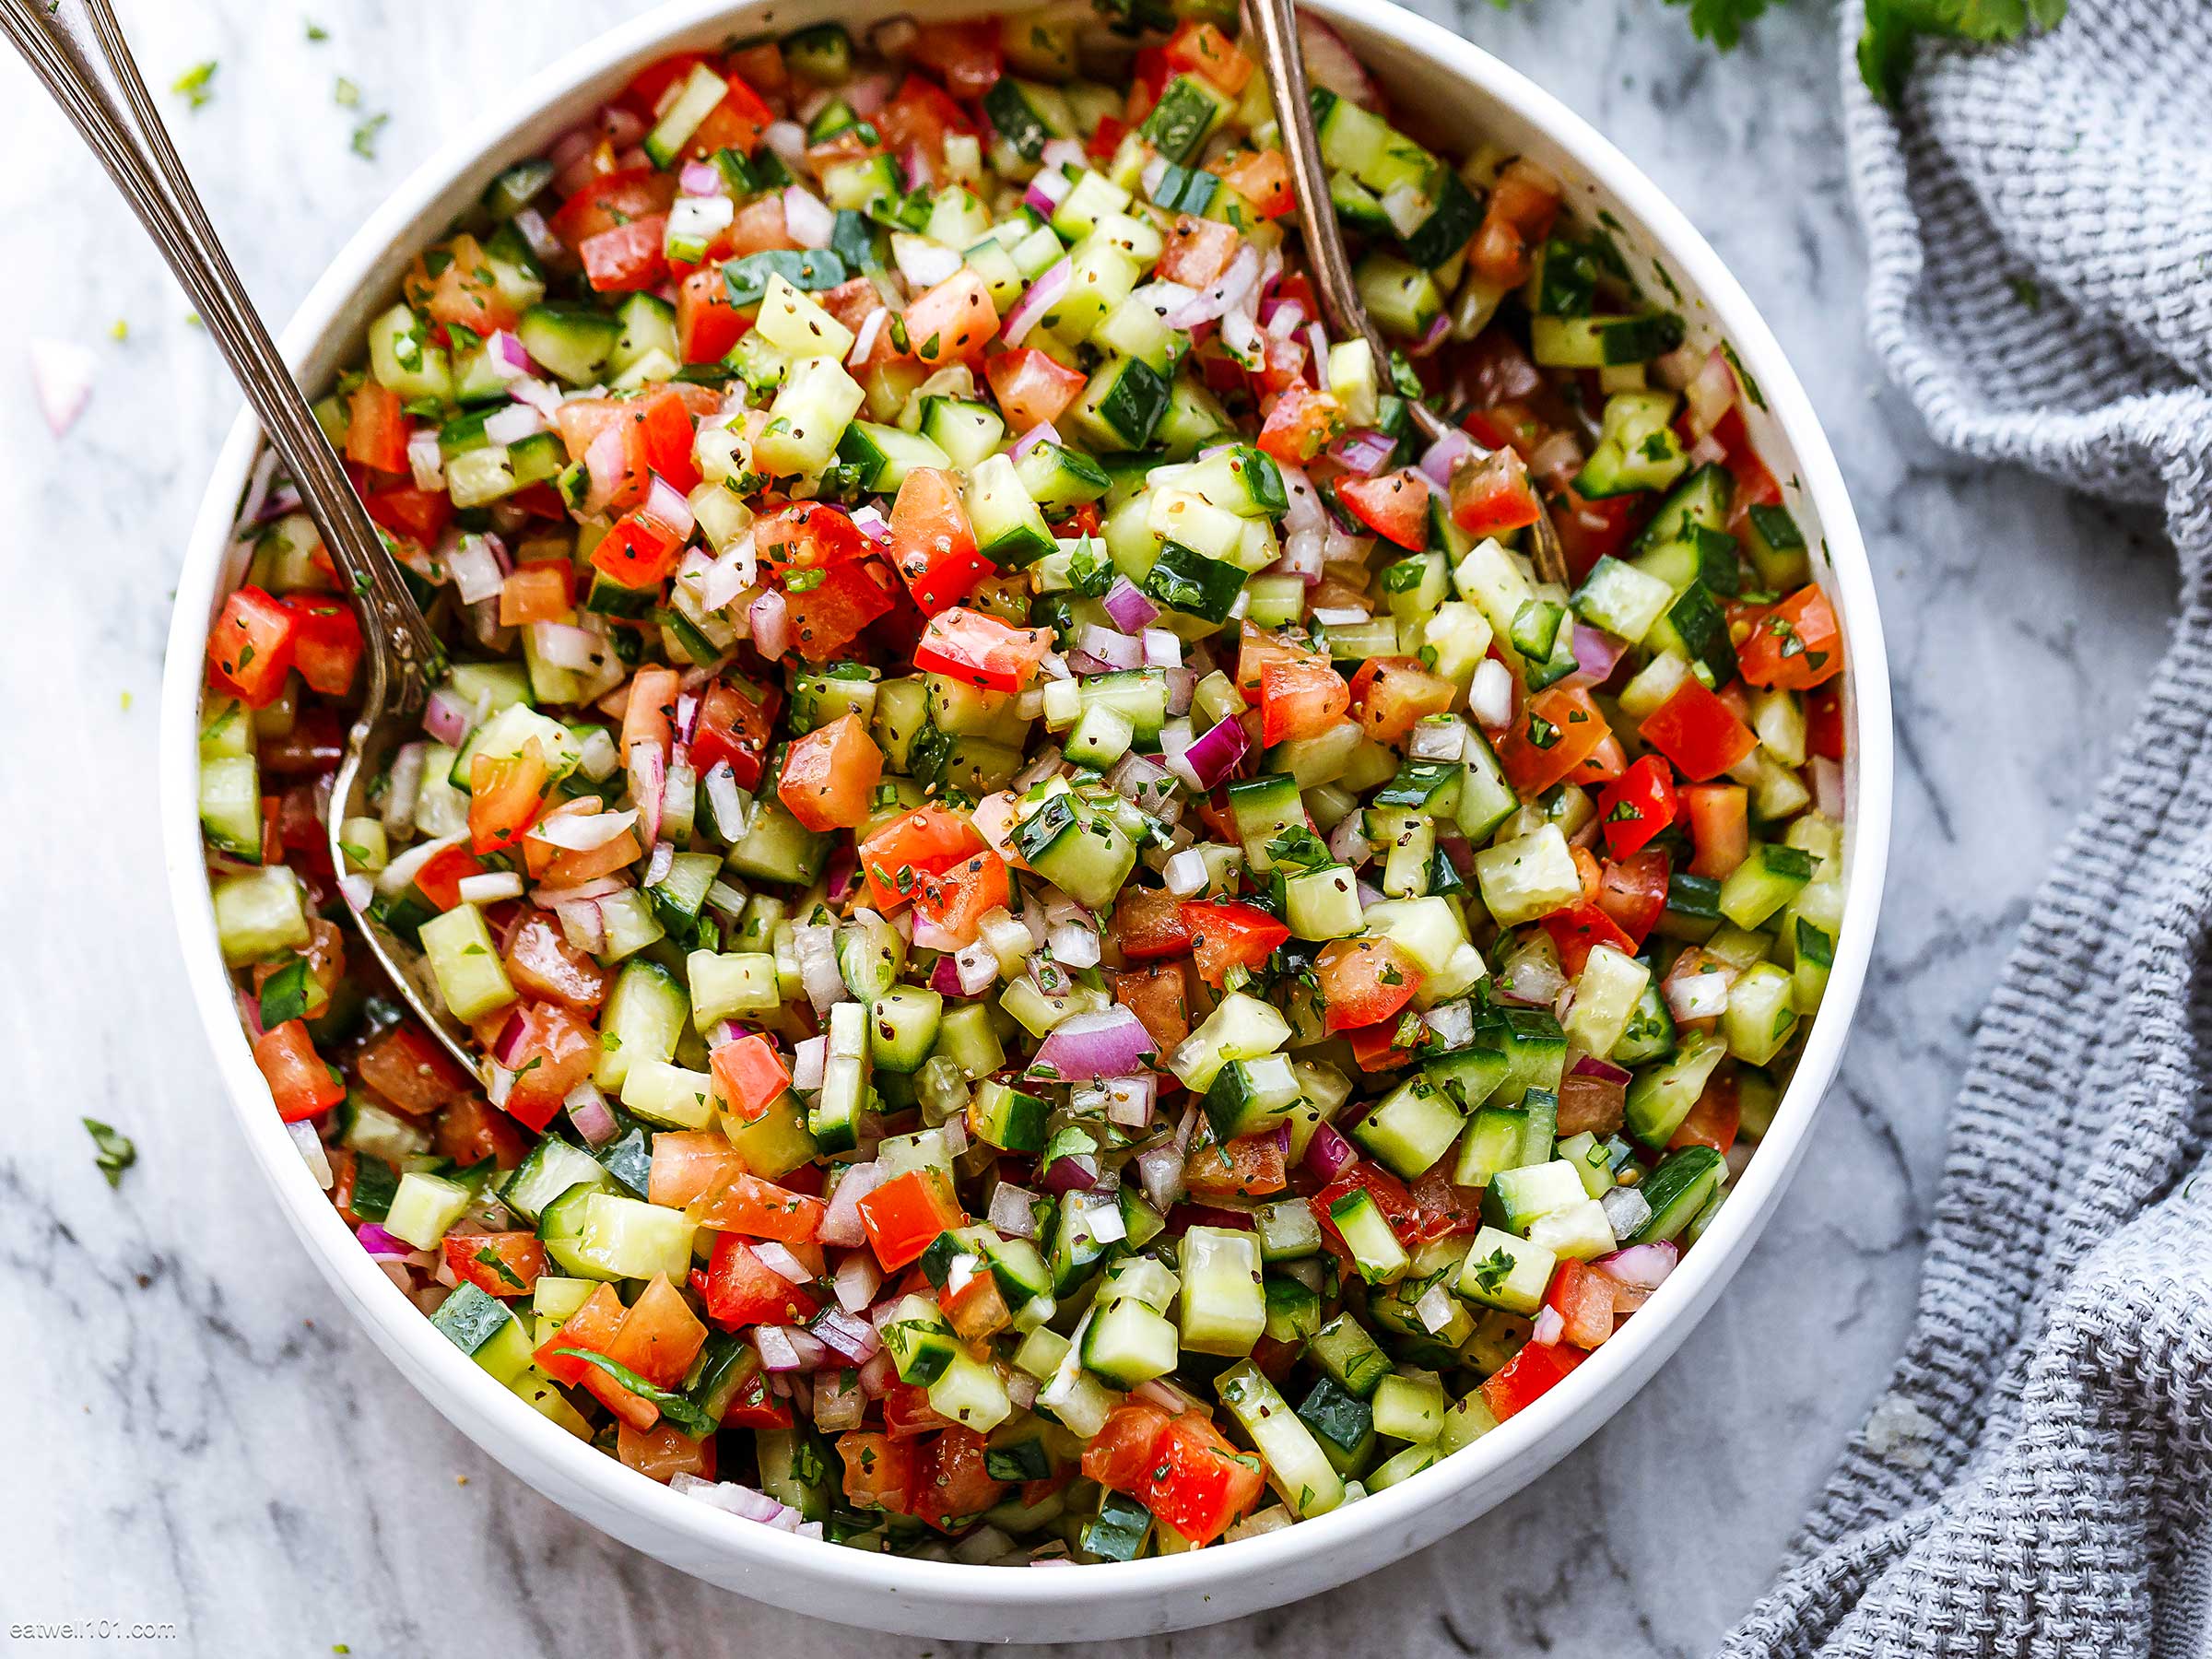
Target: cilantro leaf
column 284, row 995
column 117, row 1152
column 689, row 1419
column 1893, row 28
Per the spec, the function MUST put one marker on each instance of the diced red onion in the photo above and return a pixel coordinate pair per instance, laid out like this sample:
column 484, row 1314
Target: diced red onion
column 850, row 1338
column 668, row 505
column 1317, row 349
column 61, row 373
column 1591, row 1066
column 1644, row 1267
column 564, row 645
column 1044, row 293
column 307, row 1143
column 1046, row 192
column 1115, row 650
column 856, row 1281
column 1130, row 1099
column 787, row 1348
column 1327, row 1152
column 1209, row 760
column 607, row 464
column 582, row 925
column 1042, row 432
column 425, row 461
column 1159, row 1172
column 809, row 1056
column 1711, row 394
column 788, row 139
column 1627, row 1210
column 474, row 570
column 587, row 832
column 1162, row 649
column 1129, row 607
column 660, row 864
column 1707, row 451
column 739, row 1501
column 1076, row 1172
column 1550, row 1326
column 923, row 262
column 1010, row 1211
column 864, row 342
column 378, row 1242
column 701, row 179
column 491, row 887
column 772, row 625
column 836, row 1407
column 1234, row 285
column 448, row 717
column 976, row 967
column 1438, row 739
column 599, row 886
column 1557, row 457
column 1441, row 458
column 1279, row 319
column 779, row 1261
column 840, row 1222
column 588, row 1110
column 1491, row 694
column 1828, row 787
column 1365, row 453
column 817, row 948
column 1065, row 154
column 920, row 174
column 1090, row 1046
column 878, row 1376
column 953, row 1133
column 1697, row 996
column 514, row 423
column 1596, row 654
column 869, row 521
column 1532, row 978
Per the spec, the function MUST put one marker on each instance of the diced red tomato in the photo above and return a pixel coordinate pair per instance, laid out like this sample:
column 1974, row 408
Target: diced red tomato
column 950, row 904
column 1720, row 827
column 1302, row 423
column 376, row 429
column 612, row 201
column 1364, row 982
column 829, row 776
column 952, row 1483
column 807, row 535
column 1795, row 645
column 1715, row 1117
column 880, row 1471
column 1528, row 1376
column 409, row 1071
column 1123, row 1454
column 759, row 1210
column 660, row 1335
column 1636, row 805
column 301, row 1084
column 1197, row 251
column 904, row 1216
column 1633, row 892
column 928, row 839
column 1158, row 998
column 506, row 794
column 686, row 1165
column 1553, row 732
column 965, row 56
column 418, row 516
column 1300, row 697
column 1202, row 49
column 643, row 97
column 737, row 122
column 326, row 641
column 1199, row 1483
column 921, row 113
column 249, row 647
column 1252, row 1166
column 827, row 617
column 1583, row 1298
column 953, row 320
column 543, row 591
column 1226, row 935
column 1516, row 218
column 741, row 1290
column 1391, row 695
column 1030, row 388
column 663, row 1452
column 500, row 1264
column 556, row 1051
column 1698, row 731
column 1394, row 505
column 1581, row 928
column 978, row 649
column 1824, row 722
column 1150, row 922
column 750, row 1076
column 736, row 725
column 1589, row 530
column 592, row 1329
column 1263, row 178
column 1493, row 496
column 706, row 322
column 933, row 547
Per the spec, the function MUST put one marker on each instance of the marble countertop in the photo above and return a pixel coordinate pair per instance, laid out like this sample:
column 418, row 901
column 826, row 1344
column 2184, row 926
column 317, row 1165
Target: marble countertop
column 200, row 1437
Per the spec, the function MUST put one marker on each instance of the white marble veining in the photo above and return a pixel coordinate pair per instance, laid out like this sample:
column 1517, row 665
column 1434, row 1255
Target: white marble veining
column 198, row 1436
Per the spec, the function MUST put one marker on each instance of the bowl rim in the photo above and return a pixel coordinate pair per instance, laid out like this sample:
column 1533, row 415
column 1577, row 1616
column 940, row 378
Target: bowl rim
column 1523, row 1446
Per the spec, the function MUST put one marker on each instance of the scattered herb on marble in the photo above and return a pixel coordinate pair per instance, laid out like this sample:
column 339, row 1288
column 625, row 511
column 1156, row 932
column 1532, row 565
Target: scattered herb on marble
column 196, row 84
column 315, row 31
column 117, row 1152
column 364, row 136
column 2027, row 291
column 347, row 93
column 120, row 330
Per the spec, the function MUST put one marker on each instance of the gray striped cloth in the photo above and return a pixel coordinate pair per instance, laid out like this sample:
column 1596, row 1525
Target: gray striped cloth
column 2037, row 1479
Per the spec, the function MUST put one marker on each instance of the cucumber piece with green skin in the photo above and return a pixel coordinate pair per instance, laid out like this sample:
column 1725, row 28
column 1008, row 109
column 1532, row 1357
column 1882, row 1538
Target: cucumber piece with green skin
column 1189, row 582
column 1661, row 1096
column 694, row 99
column 1186, row 190
column 821, row 55
column 1241, row 478
column 1376, row 1251
column 575, row 342
column 779, row 848
column 902, row 1027
column 1357, row 207
column 1121, row 404
column 1636, row 448
column 1323, row 903
column 1702, row 501
column 1451, row 224
column 1515, row 1197
column 1603, row 342
column 1009, row 530
column 1081, row 851
column 1129, row 1342
column 1770, row 877
column 1057, row 477
column 1506, row 1272
column 1776, row 547
column 1138, row 695
column 1224, row 1309
column 1185, row 118
column 485, row 1328
column 1696, row 625
column 882, row 457
column 1249, row 1097
column 1400, row 296
column 1682, row 1185
column 1004, row 1117
column 1348, row 1355
column 1028, row 115
column 1193, row 420
column 1411, row 1129
column 966, row 432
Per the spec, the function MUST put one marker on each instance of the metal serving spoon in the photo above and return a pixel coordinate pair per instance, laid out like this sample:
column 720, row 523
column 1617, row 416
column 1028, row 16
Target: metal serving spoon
column 63, row 41
column 1275, row 22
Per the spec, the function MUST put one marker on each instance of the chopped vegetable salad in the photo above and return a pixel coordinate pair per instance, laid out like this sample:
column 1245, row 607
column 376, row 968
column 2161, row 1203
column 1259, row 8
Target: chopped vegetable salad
column 1070, row 956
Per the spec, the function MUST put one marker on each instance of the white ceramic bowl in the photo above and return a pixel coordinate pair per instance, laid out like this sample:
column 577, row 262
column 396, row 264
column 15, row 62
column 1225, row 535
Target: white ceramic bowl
column 1418, row 61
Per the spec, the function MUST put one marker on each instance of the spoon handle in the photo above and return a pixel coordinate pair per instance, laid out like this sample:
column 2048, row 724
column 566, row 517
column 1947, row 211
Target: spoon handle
column 128, row 137
column 1282, row 60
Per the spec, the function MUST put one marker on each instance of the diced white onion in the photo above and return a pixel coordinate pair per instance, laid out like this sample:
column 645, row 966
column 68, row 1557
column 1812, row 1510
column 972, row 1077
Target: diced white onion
column 1442, row 740
column 1075, row 944
column 1490, row 695
column 807, row 1063
column 426, row 460
column 490, row 887
column 310, row 1151
column 817, row 947
column 1186, row 873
